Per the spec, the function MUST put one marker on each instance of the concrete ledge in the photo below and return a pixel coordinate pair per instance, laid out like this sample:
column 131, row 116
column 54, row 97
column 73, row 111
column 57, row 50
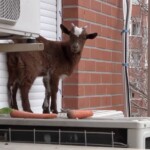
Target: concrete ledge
column 21, row 47
column 27, row 146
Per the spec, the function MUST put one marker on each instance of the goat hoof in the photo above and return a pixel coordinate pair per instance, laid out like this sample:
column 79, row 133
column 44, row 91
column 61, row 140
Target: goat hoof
column 14, row 107
column 45, row 111
column 55, row 111
column 28, row 110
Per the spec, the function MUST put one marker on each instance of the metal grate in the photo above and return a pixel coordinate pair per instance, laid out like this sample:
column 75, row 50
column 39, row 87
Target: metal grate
column 9, row 11
column 60, row 136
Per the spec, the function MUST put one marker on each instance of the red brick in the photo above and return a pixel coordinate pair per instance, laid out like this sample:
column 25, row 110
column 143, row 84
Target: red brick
column 117, row 100
column 118, row 68
column 84, row 78
column 114, row 89
column 136, row 11
column 70, row 90
column 70, row 2
column 96, row 78
column 106, row 32
column 91, row 43
column 113, row 45
column 87, row 15
column 101, row 43
column 95, row 5
column 95, row 28
column 117, row 78
column 87, row 65
column 106, row 78
column 90, row 66
column 101, row 89
column 81, row 65
column 70, row 12
column 107, row 55
column 95, row 102
column 71, row 79
column 111, row 67
column 116, row 35
column 101, row 66
column 96, row 54
column 118, row 108
column 84, row 102
column 119, row 3
column 106, row 101
column 84, row 3
column 81, row 90
column 101, row 55
column 90, row 89
column 106, row 9
column 101, row 19
column 86, row 53
column 117, row 57
column 114, row 22
column 113, row 2
column 70, row 103
column 116, row 12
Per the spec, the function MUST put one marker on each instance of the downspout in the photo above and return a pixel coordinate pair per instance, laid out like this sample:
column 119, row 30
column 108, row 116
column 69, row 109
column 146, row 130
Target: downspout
column 59, row 38
column 59, row 19
column 127, row 9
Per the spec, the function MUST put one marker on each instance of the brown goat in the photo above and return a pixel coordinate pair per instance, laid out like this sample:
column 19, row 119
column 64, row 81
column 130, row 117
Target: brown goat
column 56, row 60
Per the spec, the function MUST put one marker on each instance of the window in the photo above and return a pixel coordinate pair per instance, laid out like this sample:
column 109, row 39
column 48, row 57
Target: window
column 134, row 59
column 146, row 1
column 135, row 2
column 135, row 26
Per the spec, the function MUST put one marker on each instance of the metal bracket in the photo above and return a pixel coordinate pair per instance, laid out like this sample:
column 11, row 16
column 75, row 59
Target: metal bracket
column 20, row 47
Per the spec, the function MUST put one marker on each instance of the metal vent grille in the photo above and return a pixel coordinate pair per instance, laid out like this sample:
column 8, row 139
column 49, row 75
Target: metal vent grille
column 9, row 11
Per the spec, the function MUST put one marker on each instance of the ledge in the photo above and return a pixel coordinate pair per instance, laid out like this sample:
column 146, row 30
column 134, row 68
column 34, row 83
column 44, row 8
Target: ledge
column 20, row 47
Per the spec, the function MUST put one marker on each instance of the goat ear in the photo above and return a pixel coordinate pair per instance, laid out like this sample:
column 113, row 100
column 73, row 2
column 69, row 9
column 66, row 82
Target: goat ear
column 64, row 29
column 91, row 36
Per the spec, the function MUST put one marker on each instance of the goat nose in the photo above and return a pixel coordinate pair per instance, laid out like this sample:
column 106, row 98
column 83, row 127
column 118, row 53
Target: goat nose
column 75, row 46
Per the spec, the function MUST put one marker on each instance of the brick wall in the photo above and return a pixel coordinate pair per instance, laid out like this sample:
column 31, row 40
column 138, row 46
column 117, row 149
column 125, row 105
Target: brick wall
column 97, row 80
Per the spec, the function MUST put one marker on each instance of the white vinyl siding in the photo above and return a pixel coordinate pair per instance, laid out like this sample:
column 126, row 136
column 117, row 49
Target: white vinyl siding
column 3, row 81
column 48, row 29
column 48, row 19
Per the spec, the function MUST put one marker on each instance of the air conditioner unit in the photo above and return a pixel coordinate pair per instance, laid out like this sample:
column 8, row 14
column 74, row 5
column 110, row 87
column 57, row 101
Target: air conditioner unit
column 103, row 132
column 19, row 17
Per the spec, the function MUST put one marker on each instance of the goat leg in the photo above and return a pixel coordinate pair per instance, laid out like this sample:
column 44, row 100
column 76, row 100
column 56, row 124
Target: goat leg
column 25, row 98
column 54, row 81
column 45, row 106
column 12, row 91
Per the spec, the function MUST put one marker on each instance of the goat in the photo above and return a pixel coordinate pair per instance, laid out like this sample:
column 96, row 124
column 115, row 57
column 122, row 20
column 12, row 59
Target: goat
column 58, row 59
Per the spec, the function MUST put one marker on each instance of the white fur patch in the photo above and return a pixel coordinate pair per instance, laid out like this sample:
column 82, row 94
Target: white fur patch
column 63, row 76
column 78, row 31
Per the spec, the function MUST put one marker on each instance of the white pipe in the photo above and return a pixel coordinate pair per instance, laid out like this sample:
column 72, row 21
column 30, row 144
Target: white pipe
column 130, row 13
column 59, row 19
column 128, row 28
column 126, row 48
column 123, row 69
column 124, row 6
column 59, row 37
